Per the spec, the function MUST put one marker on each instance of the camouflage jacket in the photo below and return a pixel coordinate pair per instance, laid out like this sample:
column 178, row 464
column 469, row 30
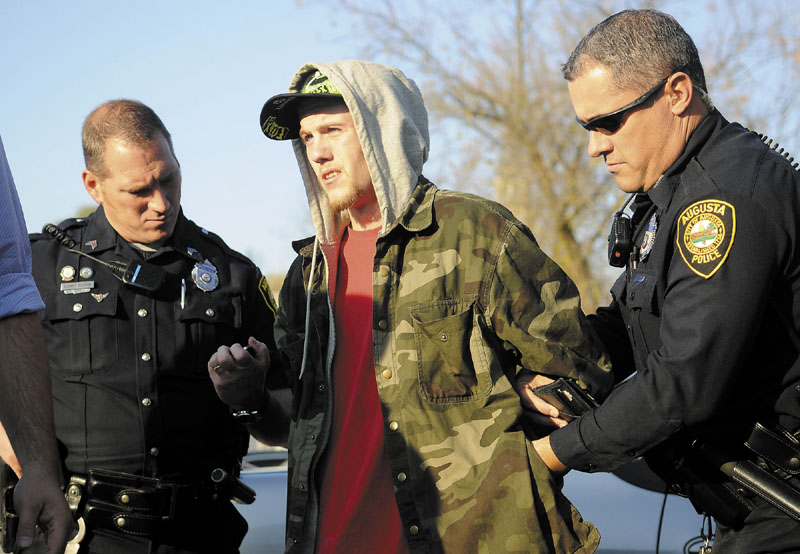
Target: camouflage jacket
column 463, row 298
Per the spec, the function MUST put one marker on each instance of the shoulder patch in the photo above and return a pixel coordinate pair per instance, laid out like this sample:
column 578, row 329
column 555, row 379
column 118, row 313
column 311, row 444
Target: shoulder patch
column 266, row 294
column 705, row 235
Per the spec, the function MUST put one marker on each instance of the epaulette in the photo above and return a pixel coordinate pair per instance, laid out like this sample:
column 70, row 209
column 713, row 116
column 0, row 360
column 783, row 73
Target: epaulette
column 777, row 148
column 67, row 224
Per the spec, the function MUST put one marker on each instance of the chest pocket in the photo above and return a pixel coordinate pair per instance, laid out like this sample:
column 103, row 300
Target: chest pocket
column 204, row 324
column 451, row 364
column 81, row 333
column 641, row 298
column 641, row 290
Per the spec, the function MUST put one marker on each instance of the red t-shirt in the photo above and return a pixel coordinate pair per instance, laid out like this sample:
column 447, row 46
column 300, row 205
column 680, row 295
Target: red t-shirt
column 358, row 511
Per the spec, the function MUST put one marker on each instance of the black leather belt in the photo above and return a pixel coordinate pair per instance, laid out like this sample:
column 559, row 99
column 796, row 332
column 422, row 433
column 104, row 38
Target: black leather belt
column 132, row 504
column 777, row 446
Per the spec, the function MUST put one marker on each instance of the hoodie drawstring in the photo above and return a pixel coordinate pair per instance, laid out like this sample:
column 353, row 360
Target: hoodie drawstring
column 308, row 309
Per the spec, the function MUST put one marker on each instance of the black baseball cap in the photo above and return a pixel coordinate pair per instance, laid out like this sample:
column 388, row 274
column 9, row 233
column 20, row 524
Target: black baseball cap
column 279, row 119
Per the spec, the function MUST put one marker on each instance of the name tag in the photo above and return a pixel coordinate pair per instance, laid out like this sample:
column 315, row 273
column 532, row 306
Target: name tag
column 77, row 287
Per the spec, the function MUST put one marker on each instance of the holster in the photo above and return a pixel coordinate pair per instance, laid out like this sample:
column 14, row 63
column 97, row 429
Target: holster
column 690, row 474
column 9, row 522
column 722, row 481
column 775, row 473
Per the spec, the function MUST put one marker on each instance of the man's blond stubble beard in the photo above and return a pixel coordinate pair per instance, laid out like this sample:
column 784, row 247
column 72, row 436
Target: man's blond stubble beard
column 342, row 200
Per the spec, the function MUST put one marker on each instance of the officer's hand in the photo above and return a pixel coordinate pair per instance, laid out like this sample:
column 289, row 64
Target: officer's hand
column 7, row 452
column 539, row 411
column 239, row 376
column 38, row 497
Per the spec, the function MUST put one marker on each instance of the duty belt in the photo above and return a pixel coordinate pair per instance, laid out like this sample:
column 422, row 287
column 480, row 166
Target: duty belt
column 722, row 484
column 132, row 504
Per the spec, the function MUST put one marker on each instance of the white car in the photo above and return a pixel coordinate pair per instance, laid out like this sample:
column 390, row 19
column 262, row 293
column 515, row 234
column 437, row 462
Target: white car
column 629, row 517
column 265, row 472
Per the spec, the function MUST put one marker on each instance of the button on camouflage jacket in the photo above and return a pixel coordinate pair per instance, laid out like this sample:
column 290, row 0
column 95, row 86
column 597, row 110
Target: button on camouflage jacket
column 463, row 298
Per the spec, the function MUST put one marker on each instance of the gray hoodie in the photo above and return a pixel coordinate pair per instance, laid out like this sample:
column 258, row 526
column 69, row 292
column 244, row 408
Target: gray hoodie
column 392, row 126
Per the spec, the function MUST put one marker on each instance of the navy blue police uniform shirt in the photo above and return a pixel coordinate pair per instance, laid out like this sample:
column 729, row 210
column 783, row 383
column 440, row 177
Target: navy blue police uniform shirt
column 708, row 317
column 129, row 367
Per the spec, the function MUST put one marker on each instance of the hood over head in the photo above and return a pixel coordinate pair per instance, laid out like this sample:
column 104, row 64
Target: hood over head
column 391, row 123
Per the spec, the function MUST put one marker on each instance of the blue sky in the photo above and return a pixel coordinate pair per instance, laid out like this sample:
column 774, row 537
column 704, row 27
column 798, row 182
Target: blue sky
column 205, row 67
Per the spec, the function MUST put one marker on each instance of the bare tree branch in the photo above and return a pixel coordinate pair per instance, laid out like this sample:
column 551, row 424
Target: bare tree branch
column 490, row 73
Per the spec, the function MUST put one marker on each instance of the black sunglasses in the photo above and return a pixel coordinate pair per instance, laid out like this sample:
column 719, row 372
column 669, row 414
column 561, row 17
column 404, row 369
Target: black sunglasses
column 611, row 122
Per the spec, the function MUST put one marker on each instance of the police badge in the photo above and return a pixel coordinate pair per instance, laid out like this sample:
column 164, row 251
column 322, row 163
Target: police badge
column 649, row 238
column 205, row 276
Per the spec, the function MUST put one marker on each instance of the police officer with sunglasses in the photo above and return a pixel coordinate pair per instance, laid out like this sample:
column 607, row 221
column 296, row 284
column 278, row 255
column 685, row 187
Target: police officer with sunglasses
column 705, row 316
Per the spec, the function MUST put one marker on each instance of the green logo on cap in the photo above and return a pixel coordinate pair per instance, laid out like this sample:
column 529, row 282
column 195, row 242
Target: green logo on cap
column 319, row 84
column 273, row 130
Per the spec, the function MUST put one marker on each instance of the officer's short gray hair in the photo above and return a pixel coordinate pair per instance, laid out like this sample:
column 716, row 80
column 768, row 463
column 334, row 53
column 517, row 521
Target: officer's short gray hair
column 640, row 47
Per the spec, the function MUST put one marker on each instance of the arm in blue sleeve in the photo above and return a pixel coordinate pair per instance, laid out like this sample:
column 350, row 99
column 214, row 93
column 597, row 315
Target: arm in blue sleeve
column 18, row 292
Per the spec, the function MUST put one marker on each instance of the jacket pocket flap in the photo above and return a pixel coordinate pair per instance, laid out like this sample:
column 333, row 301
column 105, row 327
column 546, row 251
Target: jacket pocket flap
column 80, row 306
column 221, row 311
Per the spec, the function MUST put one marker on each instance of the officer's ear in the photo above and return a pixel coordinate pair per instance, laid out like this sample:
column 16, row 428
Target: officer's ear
column 93, row 185
column 679, row 93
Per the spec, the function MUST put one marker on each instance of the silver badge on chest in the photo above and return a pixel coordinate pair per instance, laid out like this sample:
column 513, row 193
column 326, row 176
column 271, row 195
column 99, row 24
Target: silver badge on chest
column 649, row 237
column 205, row 276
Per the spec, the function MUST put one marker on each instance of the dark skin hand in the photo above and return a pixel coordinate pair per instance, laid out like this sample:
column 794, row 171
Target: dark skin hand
column 26, row 410
column 239, row 377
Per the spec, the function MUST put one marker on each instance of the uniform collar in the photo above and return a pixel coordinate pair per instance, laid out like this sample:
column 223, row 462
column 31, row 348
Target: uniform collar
column 662, row 193
column 100, row 236
column 184, row 239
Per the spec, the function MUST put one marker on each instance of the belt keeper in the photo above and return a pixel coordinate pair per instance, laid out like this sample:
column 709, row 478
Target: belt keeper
column 172, row 501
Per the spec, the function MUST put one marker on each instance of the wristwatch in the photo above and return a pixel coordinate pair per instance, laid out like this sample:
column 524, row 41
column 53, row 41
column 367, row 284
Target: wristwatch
column 247, row 416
